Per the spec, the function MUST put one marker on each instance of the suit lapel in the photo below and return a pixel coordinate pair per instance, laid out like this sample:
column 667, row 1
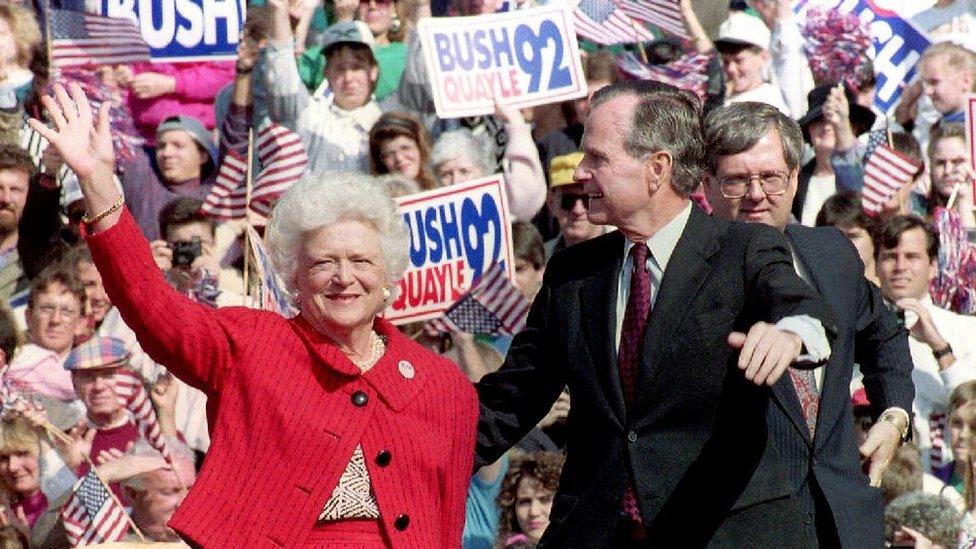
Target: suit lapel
column 598, row 298
column 684, row 275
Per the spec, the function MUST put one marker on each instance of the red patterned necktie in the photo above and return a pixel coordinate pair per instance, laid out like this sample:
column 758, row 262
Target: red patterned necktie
column 805, row 383
column 631, row 340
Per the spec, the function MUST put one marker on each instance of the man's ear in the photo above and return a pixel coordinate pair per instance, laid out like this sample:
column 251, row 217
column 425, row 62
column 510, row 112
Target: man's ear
column 659, row 167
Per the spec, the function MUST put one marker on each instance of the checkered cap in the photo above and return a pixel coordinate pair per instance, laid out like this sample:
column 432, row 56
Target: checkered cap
column 97, row 352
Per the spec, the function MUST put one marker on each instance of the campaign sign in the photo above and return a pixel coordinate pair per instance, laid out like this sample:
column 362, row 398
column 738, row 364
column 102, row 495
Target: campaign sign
column 523, row 58
column 456, row 234
column 184, row 30
column 898, row 44
column 971, row 128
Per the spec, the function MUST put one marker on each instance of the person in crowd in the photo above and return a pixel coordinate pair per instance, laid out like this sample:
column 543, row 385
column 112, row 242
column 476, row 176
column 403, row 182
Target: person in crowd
column 943, row 350
column 917, row 519
column 526, row 496
column 20, row 449
column 905, row 475
column 843, row 211
column 365, row 404
column 568, row 203
column 19, row 36
column 16, row 170
column 754, row 153
column 952, row 173
column 55, row 316
column 639, row 180
column 788, row 61
column 187, row 159
column 186, row 253
column 157, row 493
column 460, row 156
column 399, row 143
column 530, row 260
column 949, row 20
column 79, row 262
column 335, row 126
column 155, row 92
column 743, row 42
column 384, row 20
column 960, row 425
column 948, row 73
column 816, row 181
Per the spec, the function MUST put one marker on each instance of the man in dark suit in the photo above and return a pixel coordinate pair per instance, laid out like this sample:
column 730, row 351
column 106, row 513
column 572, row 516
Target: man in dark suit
column 754, row 154
column 670, row 430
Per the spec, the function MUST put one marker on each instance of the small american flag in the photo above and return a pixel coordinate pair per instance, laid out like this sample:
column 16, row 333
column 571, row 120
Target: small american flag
column 283, row 159
column 601, row 21
column 493, row 305
column 132, row 393
column 91, row 515
column 688, row 72
column 84, row 39
column 664, row 14
column 885, row 172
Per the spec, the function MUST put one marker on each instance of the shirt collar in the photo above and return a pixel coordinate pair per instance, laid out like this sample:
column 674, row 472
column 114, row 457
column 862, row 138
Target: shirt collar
column 664, row 240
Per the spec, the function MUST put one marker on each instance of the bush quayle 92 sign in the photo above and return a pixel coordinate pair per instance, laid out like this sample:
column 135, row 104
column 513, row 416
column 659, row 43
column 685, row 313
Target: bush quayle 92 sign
column 184, row 30
column 456, row 233
column 523, row 58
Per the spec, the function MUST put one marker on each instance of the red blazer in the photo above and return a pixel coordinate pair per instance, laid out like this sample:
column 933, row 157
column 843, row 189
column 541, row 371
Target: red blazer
column 286, row 410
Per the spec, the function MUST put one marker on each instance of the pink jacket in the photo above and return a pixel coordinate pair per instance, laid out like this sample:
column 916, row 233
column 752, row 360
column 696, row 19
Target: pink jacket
column 196, row 86
column 40, row 370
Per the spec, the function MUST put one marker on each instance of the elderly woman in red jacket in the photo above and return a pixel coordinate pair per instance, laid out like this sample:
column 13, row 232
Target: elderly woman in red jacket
column 329, row 429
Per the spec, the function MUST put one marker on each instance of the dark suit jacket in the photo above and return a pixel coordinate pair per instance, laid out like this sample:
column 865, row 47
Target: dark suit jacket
column 869, row 335
column 695, row 440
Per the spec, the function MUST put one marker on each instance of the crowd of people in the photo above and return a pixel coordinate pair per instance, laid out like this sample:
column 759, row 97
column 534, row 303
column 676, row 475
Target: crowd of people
column 722, row 327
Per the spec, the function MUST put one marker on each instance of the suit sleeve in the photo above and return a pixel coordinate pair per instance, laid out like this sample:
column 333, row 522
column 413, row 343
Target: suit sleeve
column 881, row 350
column 773, row 285
column 522, row 391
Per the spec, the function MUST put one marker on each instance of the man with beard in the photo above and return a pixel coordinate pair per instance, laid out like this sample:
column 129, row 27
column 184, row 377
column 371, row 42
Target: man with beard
column 16, row 169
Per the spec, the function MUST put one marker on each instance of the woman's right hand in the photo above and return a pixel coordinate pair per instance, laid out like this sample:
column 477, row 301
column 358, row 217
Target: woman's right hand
column 85, row 147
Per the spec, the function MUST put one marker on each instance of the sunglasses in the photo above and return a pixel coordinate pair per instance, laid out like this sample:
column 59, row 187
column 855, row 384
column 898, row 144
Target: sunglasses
column 568, row 200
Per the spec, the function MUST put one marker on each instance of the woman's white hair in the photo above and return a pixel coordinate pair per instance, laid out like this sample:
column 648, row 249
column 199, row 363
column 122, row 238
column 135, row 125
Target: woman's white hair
column 322, row 199
column 457, row 143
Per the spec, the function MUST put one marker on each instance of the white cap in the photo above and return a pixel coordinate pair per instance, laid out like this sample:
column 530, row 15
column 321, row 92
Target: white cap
column 743, row 29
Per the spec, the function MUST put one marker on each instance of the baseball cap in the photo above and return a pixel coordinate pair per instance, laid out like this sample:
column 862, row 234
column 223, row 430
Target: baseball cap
column 742, row 29
column 347, row 32
column 196, row 129
column 561, row 169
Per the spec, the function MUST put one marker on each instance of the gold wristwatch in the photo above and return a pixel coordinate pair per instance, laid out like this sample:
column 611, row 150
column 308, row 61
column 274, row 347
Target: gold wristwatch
column 896, row 419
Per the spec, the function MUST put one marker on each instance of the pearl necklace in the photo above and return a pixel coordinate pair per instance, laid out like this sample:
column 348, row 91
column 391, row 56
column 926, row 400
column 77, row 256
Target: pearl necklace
column 376, row 352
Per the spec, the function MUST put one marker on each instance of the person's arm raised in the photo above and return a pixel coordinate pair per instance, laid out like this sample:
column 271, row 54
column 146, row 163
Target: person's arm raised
column 86, row 147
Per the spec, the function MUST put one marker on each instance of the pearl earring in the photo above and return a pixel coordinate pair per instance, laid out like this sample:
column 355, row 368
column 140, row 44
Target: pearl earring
column 387, row 294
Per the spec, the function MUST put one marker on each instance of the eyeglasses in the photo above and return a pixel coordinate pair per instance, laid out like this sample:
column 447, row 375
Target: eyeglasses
column 567, row 201
column 773, row 183
column 48, row 310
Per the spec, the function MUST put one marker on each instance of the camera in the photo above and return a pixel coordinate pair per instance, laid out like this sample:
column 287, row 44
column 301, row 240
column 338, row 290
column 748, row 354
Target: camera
column 185, row 253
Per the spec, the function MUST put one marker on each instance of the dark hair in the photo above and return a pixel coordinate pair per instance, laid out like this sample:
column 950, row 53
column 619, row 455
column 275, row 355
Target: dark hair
column 396, row 124
column 527, row 241
column 182, row 211
column 664, row 119
column 361, row 52
column 8, row 333
column 15, row 158
column 890, row 231
column 79, row 253
column 844, row 210
column 56, row 274
column 543, row 467
column 737, row 127
column 735, row 48
column 601, row 65
column 942, row 130
column 906, row 144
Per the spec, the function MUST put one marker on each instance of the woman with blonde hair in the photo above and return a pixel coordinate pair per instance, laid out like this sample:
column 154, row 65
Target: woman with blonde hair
column 19, row 35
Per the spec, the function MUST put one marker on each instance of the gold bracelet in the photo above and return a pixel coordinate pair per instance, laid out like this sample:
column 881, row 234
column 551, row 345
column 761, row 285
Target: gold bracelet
column 91, row 220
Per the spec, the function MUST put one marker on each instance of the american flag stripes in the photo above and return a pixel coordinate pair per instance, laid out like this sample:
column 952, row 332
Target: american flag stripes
column 91, row 515
column 603, row 22
column 885, row 172
column 283, row 160
column 493, row 305
column 132, row 393
column 688, row 72
column 664, row 14
column 85, row 39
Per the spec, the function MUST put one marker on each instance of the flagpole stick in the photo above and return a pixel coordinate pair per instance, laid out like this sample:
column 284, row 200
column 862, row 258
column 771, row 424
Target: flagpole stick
column 54, row 432
column 247, row 212
column 952, row 197
column 47, row 34
column 640, row 45
column 888, row 132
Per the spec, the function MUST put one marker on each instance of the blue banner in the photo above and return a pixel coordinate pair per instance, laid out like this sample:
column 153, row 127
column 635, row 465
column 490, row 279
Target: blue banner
column 898, row 44
column 184, row 30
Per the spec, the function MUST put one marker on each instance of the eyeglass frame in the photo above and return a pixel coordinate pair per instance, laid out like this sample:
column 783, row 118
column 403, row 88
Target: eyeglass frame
column 753, row 176
column 565, row 197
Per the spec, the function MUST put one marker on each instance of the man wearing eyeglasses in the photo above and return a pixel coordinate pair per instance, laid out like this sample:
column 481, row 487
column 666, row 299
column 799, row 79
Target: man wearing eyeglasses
column 568, row 204
column 754, row 156
column 55, row 315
